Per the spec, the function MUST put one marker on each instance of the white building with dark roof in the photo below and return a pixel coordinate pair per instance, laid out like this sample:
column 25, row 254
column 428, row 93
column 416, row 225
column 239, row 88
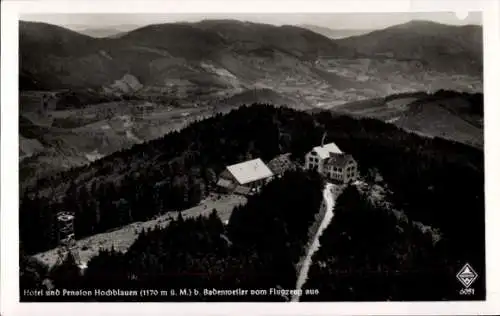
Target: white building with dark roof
column 315, row 159
column 245, row 177
column 332, row 163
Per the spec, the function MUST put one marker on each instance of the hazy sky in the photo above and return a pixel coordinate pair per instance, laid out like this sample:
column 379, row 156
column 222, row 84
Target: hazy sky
column 331, row 20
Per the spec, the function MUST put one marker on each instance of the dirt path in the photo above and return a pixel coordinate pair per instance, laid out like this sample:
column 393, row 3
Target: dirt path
column 121, row 239
column 329, row 203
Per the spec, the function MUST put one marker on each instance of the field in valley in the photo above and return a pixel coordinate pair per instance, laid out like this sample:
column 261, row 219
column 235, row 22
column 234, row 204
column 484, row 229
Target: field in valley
column 332, row 81
column 61, row 139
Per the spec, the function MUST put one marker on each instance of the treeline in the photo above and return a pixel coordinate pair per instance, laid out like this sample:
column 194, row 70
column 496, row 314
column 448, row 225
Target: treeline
column 413, row 94
column 33, row 274
column 475, row 100
column 369, row 253
column 76, row 99
column 434, row 181
column 257, row 250
column 104, row 206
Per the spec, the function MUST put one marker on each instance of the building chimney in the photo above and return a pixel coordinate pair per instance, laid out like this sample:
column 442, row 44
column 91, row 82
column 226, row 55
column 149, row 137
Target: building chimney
column 323, row 139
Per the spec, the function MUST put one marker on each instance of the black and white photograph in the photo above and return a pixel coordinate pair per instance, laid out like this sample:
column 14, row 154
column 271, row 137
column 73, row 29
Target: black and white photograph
column 251, row 157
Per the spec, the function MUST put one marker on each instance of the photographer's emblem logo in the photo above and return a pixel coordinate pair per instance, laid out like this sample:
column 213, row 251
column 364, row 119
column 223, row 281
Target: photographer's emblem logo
column 467, row 275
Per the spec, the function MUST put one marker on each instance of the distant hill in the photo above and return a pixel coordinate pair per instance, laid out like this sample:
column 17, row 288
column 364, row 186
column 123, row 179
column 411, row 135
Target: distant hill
column 52, row 57
column 334, row 33
column 246, row 51
column 48, row 40
column 161, row 52
column 445, row 114
column 436, row 46
column 219, row 40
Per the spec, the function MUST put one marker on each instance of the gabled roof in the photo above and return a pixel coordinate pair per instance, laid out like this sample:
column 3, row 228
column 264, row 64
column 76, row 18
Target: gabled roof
column 250, row 171
column 325, row 150
column 338, row 160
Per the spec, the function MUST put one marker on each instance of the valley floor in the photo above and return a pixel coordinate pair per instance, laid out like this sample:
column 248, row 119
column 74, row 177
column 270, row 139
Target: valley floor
column 122, row 238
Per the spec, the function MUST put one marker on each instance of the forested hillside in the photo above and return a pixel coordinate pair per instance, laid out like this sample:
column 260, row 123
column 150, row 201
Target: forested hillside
column 426, row 175
column 433, row 181
column 156, row 54
column 399, row 261
column 257, row 250
column 452, row 115
column 441, row 46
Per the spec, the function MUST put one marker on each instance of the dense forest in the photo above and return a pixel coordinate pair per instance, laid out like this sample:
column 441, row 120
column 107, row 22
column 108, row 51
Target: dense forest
column 258, row 249
column 371, row 253
column 433, row 181
column 476, row 100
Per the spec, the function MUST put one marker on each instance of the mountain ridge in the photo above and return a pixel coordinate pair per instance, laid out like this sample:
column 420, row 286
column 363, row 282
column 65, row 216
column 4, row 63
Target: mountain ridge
column 441, row 46
column 191, row 42
column 223, row 40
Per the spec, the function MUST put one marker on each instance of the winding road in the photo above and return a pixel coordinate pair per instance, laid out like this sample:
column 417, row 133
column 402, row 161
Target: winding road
column 329, row 203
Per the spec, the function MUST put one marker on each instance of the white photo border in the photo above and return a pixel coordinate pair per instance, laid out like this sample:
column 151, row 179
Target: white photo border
column 9, row 276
